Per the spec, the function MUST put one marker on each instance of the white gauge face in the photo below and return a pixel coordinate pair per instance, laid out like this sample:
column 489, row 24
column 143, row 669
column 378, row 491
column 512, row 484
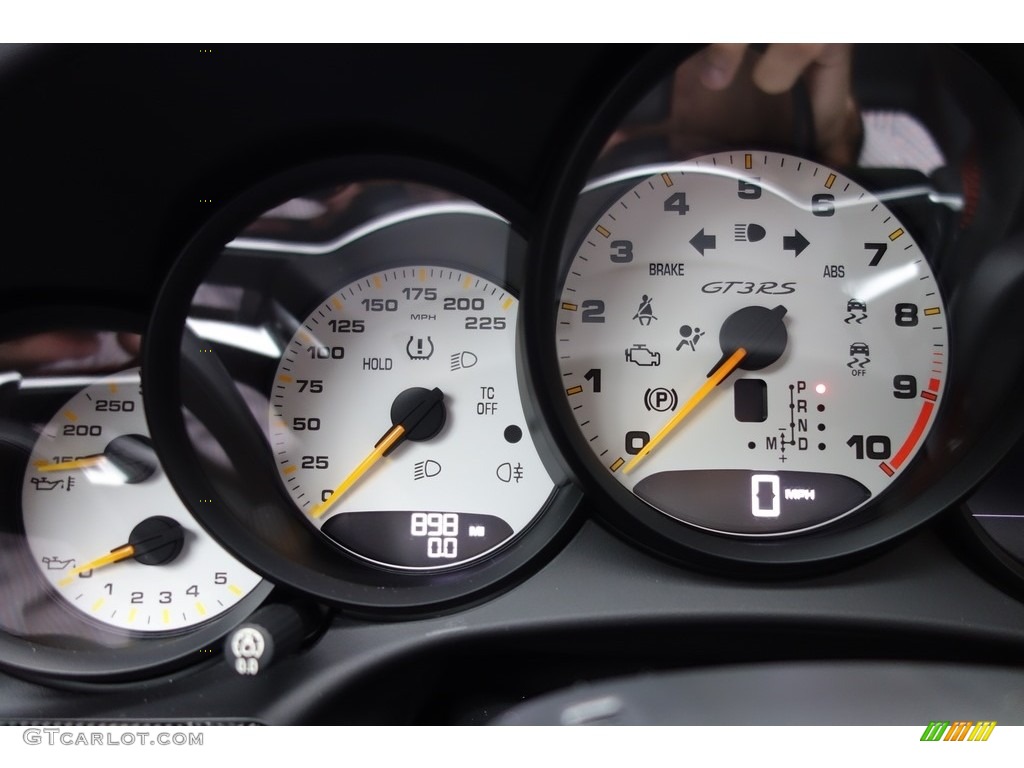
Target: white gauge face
column 836, row 311
column 106, row 528
column 397, row 423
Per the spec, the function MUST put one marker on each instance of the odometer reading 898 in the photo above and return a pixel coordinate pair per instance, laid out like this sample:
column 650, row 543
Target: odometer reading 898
column 751, row 343
column 397, row 422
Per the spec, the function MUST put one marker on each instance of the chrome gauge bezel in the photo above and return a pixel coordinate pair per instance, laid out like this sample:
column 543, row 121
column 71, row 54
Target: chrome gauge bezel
column 298, row 556
column 88, row 650
column 956, row 457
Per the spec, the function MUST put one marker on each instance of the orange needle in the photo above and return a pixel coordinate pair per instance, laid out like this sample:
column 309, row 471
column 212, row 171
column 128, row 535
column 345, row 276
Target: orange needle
column 114, row 556
column 83, row 463
column 713, row 381
column 390, row 438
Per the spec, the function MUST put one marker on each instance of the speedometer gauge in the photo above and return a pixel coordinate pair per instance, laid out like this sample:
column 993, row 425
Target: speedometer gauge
column 349, row 399
column 397, row 423
column 751, row 343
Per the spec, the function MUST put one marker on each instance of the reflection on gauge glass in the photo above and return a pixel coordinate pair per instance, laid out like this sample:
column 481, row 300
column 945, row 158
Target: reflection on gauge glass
column 105, row 527
column 995, row 510
column 751, row 343
column 397, row 423
column 347, row 391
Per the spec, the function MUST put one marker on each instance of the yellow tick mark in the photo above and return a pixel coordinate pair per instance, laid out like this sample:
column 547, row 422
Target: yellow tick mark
column 574, row 390
column 616, row 464
column 896, row 233
column 508, row 303
column 933, row 311
column 467, row 282
column 830, row 181
column 71, row 415
column 132, row 614
column 304, row 337
column 423, row 275
column 377, row 282
column 602, row 231
column 285, row 378
column 568, row 306
column 200, row 608
column 667, row 179
column 337, row 304
column 97, row 605
column 167, row 616
column 748, row 161
column 291, row 469
column 113, row 388
column 234, row 590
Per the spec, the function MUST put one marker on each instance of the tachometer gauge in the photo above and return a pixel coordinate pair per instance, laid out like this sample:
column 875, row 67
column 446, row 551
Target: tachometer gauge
column 751, row 343
column 397, row 423
column 106, row 529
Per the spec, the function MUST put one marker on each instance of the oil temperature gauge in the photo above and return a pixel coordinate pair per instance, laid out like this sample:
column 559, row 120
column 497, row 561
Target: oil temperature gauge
column 397, row 424
column 107, row 530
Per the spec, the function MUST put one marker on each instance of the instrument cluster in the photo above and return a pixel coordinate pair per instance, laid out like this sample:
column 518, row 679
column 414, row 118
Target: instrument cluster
column 387, row 385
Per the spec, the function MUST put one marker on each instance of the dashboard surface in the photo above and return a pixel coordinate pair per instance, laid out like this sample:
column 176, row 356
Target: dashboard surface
column 117, row 156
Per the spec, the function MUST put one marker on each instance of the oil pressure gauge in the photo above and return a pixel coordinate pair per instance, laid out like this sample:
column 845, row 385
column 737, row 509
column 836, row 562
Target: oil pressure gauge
column 751, row 344
column 107, row 531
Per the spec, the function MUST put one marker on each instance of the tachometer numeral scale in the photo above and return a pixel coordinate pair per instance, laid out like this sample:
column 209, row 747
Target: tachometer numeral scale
column 751, row 343
column 397, row 423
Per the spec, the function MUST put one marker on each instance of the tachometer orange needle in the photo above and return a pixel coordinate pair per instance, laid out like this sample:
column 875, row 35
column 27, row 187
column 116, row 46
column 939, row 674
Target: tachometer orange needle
column 391, row 437
column 114, row 556
column 713, row 381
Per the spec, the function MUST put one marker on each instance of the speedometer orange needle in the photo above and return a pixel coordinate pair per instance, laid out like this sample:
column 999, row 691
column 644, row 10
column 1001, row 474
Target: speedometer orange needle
column 391, row 437
column 716, row 378
column 417, row 413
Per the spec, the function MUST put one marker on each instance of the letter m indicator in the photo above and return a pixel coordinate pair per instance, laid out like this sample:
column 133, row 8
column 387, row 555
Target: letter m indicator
column 935, row 730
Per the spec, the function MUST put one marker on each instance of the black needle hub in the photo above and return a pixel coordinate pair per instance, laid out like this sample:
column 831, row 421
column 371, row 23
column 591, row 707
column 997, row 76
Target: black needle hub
column 760, row 331
column 157, row 540
column 420, row 412
column 134, row 457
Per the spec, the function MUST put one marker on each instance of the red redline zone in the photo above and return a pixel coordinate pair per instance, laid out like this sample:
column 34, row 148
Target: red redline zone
column 927, row 407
